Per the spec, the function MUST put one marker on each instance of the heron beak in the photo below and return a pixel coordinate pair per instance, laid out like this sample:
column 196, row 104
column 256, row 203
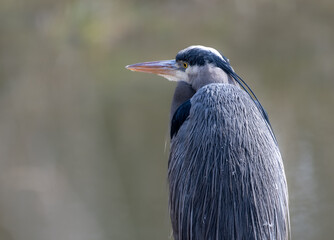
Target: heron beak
column 165, row 68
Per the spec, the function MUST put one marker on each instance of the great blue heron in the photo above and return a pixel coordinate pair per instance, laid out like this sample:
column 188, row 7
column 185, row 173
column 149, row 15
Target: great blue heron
column 225, row 171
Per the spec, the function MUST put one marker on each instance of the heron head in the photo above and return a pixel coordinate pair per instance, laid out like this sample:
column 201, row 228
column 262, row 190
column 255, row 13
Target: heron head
column 195, row 65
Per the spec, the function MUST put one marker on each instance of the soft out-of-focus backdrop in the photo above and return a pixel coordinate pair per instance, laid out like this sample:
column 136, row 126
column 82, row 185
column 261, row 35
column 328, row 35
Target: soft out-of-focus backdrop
column 82, row 140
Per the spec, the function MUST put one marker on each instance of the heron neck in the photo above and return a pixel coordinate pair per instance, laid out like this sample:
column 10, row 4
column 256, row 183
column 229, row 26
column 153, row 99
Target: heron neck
column 209, row 74
column 182, row 93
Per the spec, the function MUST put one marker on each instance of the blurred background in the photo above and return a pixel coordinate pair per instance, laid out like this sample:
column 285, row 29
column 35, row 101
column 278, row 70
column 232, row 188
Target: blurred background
column 83, row 152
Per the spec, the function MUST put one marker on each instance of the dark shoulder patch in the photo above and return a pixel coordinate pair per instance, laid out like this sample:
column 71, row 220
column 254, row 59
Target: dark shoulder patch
column 179, row 117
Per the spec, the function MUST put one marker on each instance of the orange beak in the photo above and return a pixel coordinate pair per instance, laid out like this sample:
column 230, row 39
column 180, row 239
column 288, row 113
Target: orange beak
column 163, row 68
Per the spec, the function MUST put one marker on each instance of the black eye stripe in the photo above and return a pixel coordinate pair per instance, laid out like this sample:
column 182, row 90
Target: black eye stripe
column 197, row 57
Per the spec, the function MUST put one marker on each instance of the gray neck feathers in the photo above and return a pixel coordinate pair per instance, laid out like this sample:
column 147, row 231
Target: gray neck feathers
column 204, row 75
column 198, row 76
column 183, row 92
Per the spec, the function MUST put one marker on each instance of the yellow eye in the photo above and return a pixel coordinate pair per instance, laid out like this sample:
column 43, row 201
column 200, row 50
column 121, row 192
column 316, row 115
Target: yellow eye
column 185, row 65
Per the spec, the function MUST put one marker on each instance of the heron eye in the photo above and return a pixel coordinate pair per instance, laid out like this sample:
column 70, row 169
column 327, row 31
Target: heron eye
column 185, row 65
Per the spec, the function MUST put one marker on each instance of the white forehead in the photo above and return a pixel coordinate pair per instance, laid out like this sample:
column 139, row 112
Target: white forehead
column 209, row 49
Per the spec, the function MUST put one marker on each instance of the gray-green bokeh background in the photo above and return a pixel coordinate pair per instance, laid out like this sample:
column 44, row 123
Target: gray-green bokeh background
column 83, row 152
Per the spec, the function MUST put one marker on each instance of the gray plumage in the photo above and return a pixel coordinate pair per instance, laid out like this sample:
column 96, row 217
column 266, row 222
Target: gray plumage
column 225, row 173
column 182, row 93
